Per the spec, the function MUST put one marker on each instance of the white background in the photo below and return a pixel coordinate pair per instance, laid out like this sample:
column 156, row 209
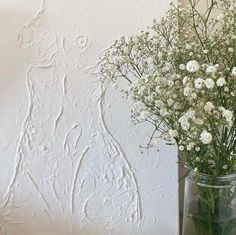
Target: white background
column 70, row 161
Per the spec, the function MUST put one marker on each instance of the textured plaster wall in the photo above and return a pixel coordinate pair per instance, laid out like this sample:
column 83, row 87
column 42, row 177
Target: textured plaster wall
column 70, row 161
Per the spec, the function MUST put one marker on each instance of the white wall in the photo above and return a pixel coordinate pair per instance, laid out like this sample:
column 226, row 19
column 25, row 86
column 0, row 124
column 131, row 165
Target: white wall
column 70, row 161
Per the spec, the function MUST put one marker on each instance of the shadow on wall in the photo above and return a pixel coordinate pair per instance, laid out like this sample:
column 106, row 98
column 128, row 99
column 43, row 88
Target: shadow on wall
column 12, row 64
column 39, row 222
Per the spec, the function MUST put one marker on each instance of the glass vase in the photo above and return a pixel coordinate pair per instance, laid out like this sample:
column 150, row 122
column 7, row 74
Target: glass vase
column 209, row 205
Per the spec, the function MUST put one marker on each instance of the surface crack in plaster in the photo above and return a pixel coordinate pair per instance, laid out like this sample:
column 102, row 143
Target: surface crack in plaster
column 72, row 197
column 113, row 143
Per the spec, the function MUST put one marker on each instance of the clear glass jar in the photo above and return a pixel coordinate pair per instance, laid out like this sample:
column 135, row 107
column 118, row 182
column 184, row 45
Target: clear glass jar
column 209, row 205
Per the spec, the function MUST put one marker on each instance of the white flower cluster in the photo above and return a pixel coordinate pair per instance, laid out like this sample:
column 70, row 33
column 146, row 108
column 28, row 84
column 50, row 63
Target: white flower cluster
column 183, row 81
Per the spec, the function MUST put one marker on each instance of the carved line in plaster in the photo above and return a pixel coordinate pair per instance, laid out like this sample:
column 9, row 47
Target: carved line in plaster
column 72, row 197
column 32, row 22
column 19, row 151
column 113, row 143
column 38, row 191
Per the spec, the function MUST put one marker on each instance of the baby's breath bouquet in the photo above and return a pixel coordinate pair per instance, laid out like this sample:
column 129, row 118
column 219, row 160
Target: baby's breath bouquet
column 181, row 75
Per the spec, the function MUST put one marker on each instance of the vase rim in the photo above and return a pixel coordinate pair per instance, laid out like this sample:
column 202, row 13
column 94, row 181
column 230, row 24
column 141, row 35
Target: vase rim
column 211, row 178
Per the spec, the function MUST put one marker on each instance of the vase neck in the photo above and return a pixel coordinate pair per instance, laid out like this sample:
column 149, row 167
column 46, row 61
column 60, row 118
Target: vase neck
column 212, row 180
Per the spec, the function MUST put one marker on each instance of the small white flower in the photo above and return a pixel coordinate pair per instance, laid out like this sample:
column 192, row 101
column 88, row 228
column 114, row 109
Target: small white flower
column 195, row 169
column 224, row 167
column 228, row 115
column 185, row 80
column 184, row 123
column 208, row 107
column 182, row 67
column 137, row 106
column 150, row 60
column 198, row 83
column 197, row 149
column 226, row 89
column 234, row 71
column 209, row 83
column 198, row 159
column 159, row 103
column 144, row 115
column 163, row 112
column 220, row 17
column 199, row 121
column 170, row 102
column 230, row 49
column 181, row 148
column 170, row 83
column 206, row 137
column 194, row 96
column 188, row 46
column 173, row 133
column 187, row 91
column 220, row 82
column 211, row 69
column 192, row 66
column 167, row 67
column 190, row 114
column 177, row 106
column 159, row 54
column 190, row 146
